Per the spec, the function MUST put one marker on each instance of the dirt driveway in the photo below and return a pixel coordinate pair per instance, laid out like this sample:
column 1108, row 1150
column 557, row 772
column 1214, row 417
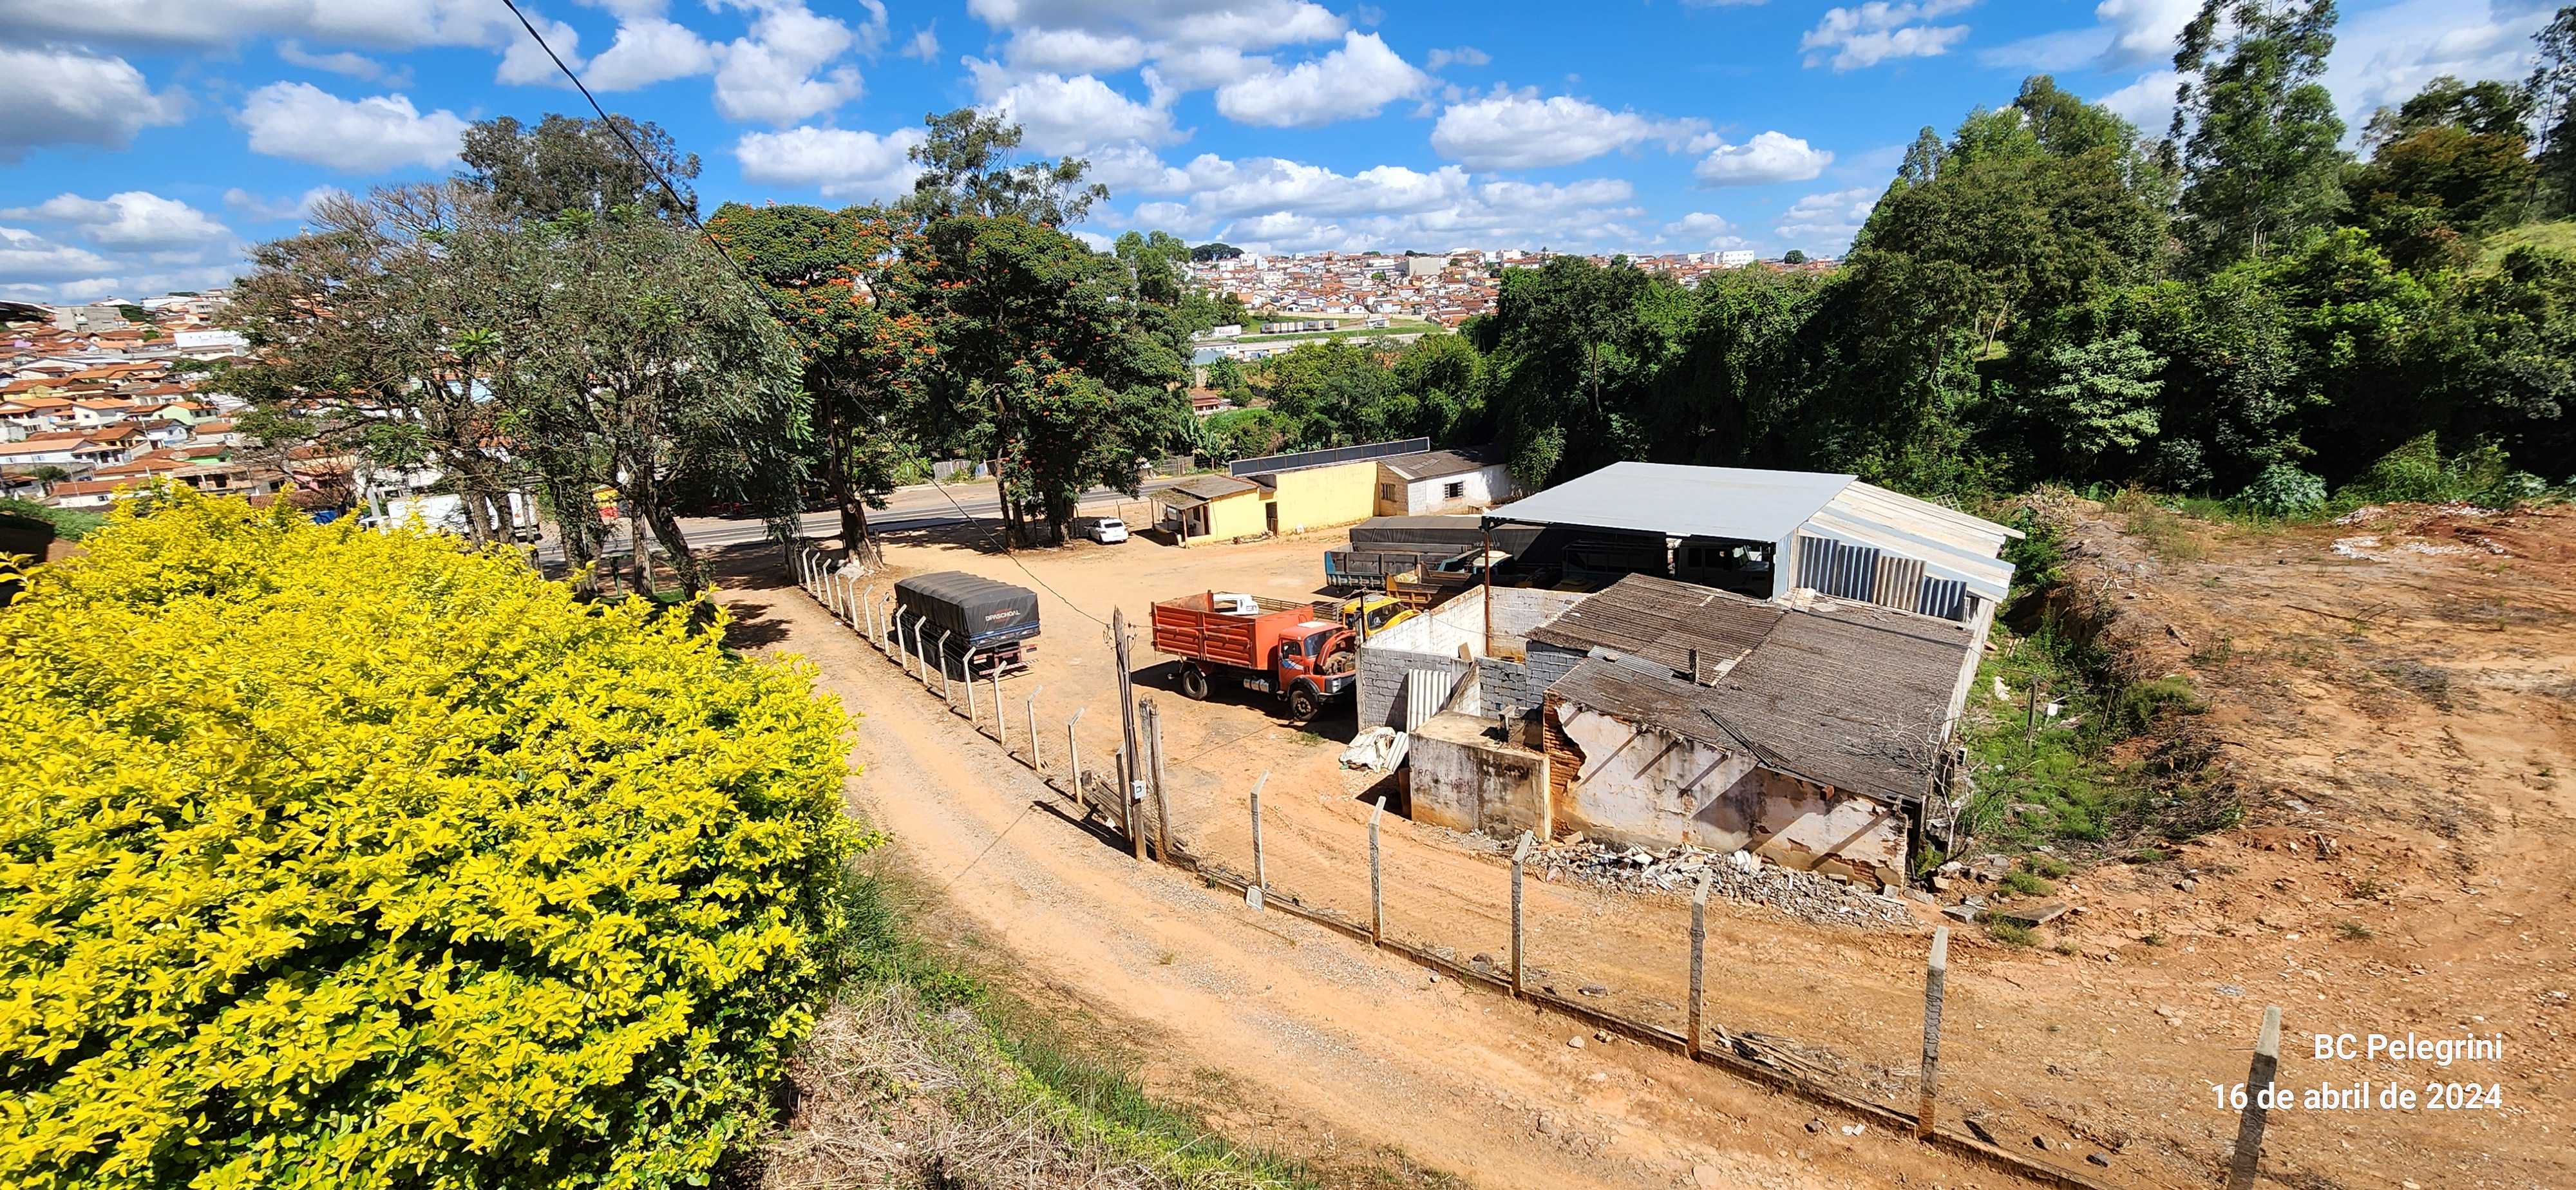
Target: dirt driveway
column 2106, row 1047
column 1286, row 1034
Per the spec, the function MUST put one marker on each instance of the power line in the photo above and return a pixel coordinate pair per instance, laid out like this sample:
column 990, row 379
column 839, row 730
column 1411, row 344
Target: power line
column 689, row 211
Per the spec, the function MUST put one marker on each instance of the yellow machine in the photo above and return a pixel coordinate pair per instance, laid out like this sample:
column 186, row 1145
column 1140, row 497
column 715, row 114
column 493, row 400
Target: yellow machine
column 1368, row 615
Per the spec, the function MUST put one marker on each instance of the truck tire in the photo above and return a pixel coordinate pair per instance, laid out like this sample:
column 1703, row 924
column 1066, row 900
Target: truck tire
column 1304, row 703
column 1194, row 683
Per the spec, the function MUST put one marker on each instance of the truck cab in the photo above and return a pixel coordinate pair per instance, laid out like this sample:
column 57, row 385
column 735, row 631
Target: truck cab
column 1283, row 649
column 1368, row 615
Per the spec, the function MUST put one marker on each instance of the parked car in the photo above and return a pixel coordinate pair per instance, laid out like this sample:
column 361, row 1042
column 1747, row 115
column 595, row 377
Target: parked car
column 1108, row 530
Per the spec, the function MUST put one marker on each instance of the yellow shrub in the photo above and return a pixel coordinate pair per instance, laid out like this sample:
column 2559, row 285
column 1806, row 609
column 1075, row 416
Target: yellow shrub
column 344, row 859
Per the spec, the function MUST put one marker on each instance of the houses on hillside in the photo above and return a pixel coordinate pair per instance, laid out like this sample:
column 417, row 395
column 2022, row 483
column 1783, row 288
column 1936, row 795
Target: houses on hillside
column 94, row 402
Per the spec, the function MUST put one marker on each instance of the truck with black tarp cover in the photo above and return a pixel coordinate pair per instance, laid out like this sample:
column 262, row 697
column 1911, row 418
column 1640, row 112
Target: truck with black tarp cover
column 988, row 623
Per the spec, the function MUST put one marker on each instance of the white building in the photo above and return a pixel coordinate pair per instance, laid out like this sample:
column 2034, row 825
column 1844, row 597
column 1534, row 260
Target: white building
column 1440, row 481
column 1735, row 258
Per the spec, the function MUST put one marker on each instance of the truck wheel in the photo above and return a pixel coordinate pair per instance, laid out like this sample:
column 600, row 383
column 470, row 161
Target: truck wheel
column 1303, row 704
column 1194, row 683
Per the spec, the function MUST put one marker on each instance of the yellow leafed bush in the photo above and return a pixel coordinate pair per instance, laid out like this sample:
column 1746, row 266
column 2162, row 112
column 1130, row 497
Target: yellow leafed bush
column 352, row 860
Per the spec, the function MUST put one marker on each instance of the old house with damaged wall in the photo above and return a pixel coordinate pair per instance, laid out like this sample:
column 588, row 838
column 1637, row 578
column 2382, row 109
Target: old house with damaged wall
column 1811, row 731
column 1812, row 728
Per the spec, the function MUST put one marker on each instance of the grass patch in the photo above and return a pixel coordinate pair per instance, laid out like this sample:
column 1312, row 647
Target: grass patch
column 2160, row 526
column 2010, row 933
column 2049, row 866
column 2559, row 235
column 914, row 1048
column 69, row 524
column 2353, row 931
column 2026, row 884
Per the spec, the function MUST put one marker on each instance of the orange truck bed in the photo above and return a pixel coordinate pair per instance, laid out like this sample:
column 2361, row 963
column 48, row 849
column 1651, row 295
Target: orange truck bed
column 1192, row 627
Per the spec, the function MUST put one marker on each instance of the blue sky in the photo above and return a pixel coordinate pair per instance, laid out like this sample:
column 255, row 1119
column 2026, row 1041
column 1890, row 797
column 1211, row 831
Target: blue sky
column 144, row 144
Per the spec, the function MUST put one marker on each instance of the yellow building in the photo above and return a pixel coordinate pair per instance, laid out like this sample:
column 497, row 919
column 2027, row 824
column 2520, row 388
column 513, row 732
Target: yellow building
column 1219, row 507
column 1320, row 497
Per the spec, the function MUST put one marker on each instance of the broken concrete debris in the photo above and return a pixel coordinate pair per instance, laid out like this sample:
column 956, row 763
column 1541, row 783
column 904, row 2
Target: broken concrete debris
column 1738, row 876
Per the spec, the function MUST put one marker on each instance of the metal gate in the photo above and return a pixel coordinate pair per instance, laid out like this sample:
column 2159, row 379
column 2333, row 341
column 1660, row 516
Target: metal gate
column 1425, row 692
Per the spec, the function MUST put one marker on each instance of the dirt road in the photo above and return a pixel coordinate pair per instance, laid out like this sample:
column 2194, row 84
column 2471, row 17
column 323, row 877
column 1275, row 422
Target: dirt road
column 1288, row 1035
column 2111, row 1043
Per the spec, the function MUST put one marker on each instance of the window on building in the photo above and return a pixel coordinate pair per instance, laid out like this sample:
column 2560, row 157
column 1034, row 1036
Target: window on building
column 1386, row 491
column 1453, row 491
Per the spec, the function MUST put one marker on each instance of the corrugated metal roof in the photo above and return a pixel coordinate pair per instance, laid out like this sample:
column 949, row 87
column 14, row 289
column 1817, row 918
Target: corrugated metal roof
column 1844, row 694
column 1435, row 464
column 1199, row 489
column 1328, row 457
column 1663, row 621
column 1678, row 501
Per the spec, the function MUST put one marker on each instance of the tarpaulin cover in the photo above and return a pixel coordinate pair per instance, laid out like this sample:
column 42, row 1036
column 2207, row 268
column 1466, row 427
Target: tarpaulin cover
column 982, row 611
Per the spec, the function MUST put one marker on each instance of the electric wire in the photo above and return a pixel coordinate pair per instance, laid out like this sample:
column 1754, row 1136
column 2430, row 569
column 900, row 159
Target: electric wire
column 688, row 210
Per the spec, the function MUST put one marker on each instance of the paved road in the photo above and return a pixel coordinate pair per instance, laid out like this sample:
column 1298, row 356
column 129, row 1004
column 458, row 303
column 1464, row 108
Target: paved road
column 906, row 508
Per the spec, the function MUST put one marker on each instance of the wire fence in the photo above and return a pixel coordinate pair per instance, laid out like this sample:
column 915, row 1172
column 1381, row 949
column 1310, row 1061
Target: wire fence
column 1507, row 941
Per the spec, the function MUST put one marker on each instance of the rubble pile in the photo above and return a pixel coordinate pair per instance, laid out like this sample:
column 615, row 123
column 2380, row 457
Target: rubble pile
column 1740, row 876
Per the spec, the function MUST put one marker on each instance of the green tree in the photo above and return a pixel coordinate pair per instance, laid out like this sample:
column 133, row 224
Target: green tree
column 1048, row 362
column 847, row 285
column 637, row 343
column 2552, row 93
column 2448, row 166
column 2097, row 397
column 1572, row 347
column 2257, row 128
column 966, row 170
column 371, row 334
column 1214, row 250
column 1793, row 256
column 568, row 164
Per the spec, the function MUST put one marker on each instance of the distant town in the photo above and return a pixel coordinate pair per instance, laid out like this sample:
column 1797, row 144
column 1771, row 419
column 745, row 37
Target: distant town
column 100, row 397
column 1439, row 288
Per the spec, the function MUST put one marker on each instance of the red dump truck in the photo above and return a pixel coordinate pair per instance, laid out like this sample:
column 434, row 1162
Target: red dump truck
column 1290, row 650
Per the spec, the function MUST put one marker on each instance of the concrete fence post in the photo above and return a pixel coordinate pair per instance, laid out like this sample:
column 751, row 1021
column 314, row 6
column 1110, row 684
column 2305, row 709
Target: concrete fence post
column 1377, row 881
column 1699, row 951
column 1936, row 972
column 974, row 714
column 1520, row 856
column 868, row 608
column 1073, row 755
column 1036, row 760
column 1001, row 719
column 920, row 654
column 1260, row 867
column 2258, row 1083
column 946, row 695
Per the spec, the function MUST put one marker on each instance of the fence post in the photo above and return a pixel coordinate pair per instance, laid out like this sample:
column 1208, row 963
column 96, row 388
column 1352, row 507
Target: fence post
column 1377, row 883
column 1162, row 805
column 1130, row 789
column 920, row 654
column 868, row 612
column 1519, row 854
column 2258, row 1081
column 1260, row 869
column 1699, row 948
column 1935, row 973
column 1001, row 718
column 946, row 695
column 973, row 715
column 1036, row 759
column 1073, row 751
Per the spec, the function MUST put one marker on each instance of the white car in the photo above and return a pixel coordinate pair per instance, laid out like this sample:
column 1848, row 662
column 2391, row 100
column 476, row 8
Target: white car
column 1108, row 530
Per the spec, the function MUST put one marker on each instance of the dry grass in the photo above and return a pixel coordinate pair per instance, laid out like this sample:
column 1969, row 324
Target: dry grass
column 892, row 1093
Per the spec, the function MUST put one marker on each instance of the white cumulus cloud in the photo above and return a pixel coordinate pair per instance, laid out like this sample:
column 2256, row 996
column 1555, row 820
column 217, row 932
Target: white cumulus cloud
column 1871, row 33
column 131, row 219
column 61, row 95
column 252, row 206
column 1519, row 130
column 1827, row 222
column 840, row 162
column 1057, row 114
column 649, row 50
column 1768, row 157
column 302, row 122
column 1352, row 82
column 781, row 73
column 24, row 254
column 1701, row 227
